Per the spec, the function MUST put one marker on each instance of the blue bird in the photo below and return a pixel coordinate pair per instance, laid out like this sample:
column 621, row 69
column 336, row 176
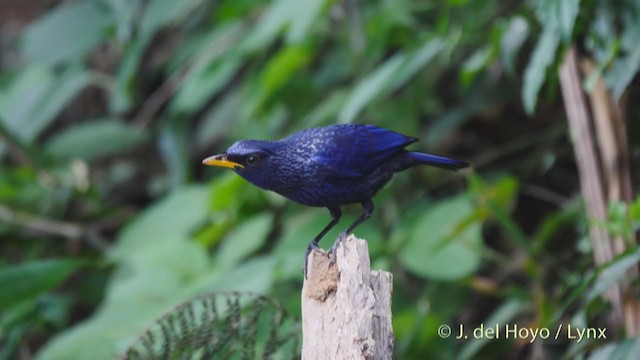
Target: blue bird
column 328, row 167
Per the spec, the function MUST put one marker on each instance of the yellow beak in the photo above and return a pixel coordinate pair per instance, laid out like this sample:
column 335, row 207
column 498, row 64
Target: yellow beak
column 221, row 160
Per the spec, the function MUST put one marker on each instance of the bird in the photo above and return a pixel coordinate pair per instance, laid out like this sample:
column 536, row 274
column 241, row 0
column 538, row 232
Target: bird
column 329, row 167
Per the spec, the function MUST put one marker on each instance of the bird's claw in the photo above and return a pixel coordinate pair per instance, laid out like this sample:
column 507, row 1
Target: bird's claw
column 334, row 247
column 332, row 252
column 310, row 248
column 332, row 256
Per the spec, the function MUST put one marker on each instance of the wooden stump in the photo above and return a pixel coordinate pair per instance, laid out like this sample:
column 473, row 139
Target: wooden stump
column 346, row 307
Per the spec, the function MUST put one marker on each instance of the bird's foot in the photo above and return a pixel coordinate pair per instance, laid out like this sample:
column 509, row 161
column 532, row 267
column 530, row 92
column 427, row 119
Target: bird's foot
column 334, row 247
column 312, row 245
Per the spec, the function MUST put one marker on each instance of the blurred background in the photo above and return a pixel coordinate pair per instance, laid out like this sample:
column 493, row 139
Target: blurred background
column 108, row 220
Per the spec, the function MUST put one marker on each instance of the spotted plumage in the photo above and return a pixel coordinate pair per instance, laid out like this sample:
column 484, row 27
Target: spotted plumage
column 328, row 166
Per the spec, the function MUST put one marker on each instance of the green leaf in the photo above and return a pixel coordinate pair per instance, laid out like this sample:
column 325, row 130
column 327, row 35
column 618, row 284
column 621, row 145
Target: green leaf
column 634, row 209
column 298, row 15
column 174, row 147
column 282, row 67
column 27, row 280
column 274, row 18
column 203, row 85
column 124, row 13
column 93, row 139
column 558, row 16
column 157, row 14
column 171, row 219
column 389, row 76
column 256, row 276
column 501, row 316
column 36, row 97
column 12, row 339
column 417, row 60
column 159, row 276
column 502, row 191
column 325, row 112
column 476, row 63
column 567, row 12
column 157, row 267
column 495, row 201
column 556, row 220
column 303, row 14
column 627, row 349
column 66, row 88
column 614, row 272
column 66, row 33
column 218, row 119
column 22, row 96
column 226, row 190
column 624, row 70
column 298, row 230
column 122, row 93
column 211, row 67
column 448, row 234
column 535, row 73
column 513, row 37
column 371, row 87
column 248, row 237
column 160, row 13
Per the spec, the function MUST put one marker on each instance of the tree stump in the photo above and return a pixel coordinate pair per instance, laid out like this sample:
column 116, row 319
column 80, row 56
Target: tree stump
column 346, row 307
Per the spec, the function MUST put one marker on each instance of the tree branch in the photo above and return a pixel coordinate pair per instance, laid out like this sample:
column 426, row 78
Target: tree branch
column 37, row 223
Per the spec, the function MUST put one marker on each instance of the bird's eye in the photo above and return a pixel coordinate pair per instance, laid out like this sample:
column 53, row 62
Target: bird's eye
column 253, row 159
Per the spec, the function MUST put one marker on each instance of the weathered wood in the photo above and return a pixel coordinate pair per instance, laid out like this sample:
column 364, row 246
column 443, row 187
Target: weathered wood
column 598, row 133
column 346, row 307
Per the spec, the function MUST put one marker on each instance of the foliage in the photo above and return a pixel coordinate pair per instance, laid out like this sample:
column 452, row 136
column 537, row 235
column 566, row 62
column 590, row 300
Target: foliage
column 108, row 221
column 221, row 326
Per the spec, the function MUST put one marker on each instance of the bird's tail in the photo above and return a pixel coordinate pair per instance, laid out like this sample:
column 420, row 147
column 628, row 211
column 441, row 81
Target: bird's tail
column 438, row 161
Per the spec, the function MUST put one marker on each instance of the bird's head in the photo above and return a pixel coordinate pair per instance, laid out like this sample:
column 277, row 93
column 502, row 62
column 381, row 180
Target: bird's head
column 251, row 159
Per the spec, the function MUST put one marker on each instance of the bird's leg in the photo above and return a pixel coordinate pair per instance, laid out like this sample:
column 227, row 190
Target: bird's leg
column 367, row 207
column 335, row 217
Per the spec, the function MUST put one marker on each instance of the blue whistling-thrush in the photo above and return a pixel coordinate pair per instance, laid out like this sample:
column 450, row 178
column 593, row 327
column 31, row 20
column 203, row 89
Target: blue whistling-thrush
column 328, row 167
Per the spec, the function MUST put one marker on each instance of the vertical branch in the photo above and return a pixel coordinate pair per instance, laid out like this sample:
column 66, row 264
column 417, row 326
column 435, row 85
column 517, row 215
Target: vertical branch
column 601, row 150
column 589, row 169
column 611, row 130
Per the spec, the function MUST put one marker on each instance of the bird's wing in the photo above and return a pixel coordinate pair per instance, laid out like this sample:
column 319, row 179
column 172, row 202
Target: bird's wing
column 356, row 150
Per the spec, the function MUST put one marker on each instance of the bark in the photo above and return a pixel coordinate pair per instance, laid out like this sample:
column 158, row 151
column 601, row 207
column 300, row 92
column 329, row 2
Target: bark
column 598, row 132
column 346, row 307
